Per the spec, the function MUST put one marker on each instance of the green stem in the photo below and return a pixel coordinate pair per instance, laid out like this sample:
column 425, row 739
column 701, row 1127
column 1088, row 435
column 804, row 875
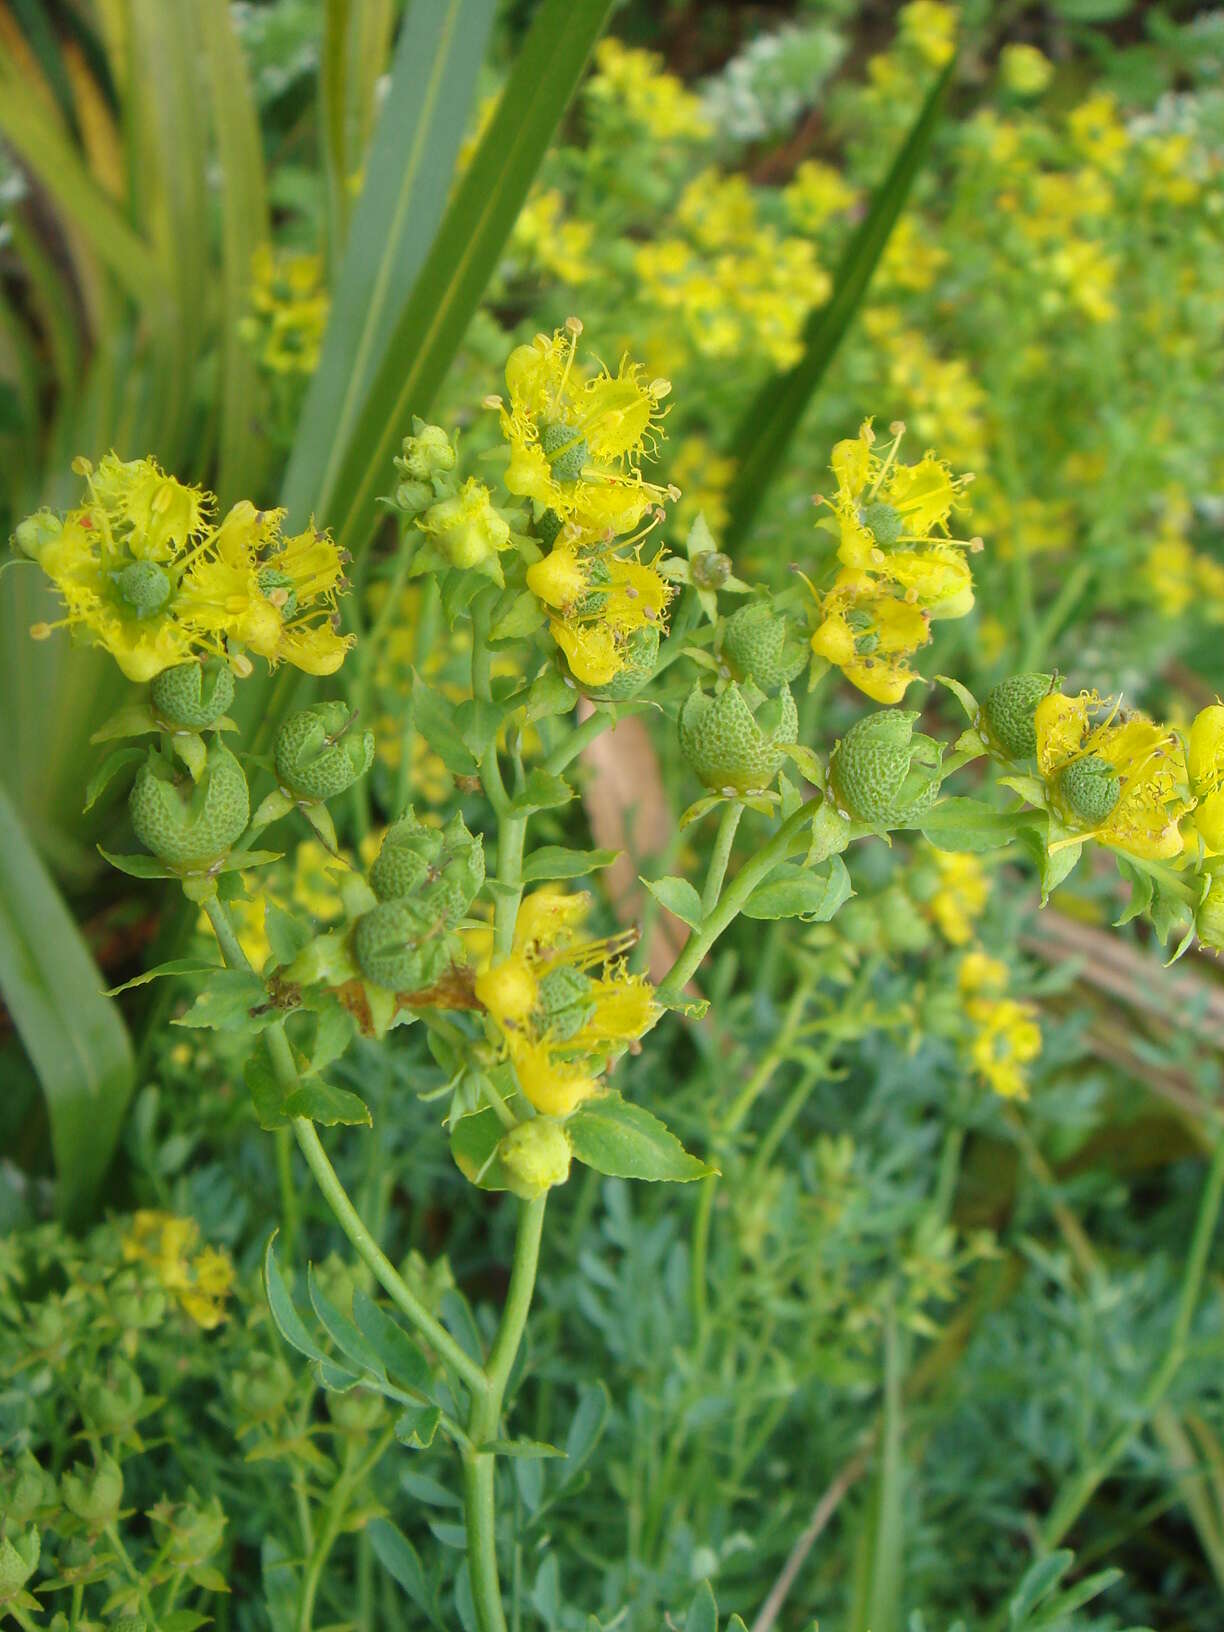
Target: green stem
column 1079, row 1492
column 368, row 1249
column 732, row 899
column 288, row 1192
column 347, row 1216
column 479, row 1506
column 511, row 838
column 720, row 856
column 572, row 744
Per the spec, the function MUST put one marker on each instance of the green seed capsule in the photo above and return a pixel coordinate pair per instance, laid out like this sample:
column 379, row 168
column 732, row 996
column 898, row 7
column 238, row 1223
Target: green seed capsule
column 1091, row 787
column 883, row 523
column 757, row 645
column 397, row 946
column 736, row 741
column 192, row 696
column 144, row 587
column 565, row 449
column 1008, row 713
column 881, row 773
column 319, row 755
column 190, row 825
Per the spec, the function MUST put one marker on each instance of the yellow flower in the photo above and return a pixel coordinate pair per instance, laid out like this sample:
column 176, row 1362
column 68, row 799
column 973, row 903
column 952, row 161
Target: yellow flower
column 961, row 897
column 575, row 445
column 142, row 574
column 557, row 1023
column 555, row 245
column 930, row 28
column 290, row 306
column 632, row 83
column 816, row 193
column 1097, row 130
column 704, row 478
column 869, row 633
column 599, row 600
column 1025, row 70
column 892, row 520
column 1005, row 1035
column 1117, row 780
column 911, row 260
column 200, row 1281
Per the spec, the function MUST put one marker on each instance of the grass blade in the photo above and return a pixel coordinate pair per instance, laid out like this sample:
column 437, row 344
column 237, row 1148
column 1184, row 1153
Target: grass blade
column 73, row 1035
column 478, row 220
column 408, row 175
column 244, row 225
column 766, row 430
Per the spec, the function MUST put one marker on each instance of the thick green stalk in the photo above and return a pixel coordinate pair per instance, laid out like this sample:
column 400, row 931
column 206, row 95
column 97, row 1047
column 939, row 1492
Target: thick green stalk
column 479, row 1506
column 574, row 741
column 746, row 880
column 720, row 856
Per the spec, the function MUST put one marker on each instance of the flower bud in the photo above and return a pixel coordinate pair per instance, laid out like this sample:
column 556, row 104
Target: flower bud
column 19, row 1557
column 710, row 569
column 401, row 948
column 757, row 645
column 535, row 1156
column 441, row 869
column 30, row 1491
column 263, row 1388
column 1090, row 787
column 467, row 528
column 882, row 773
column 736, row 740
column 190, row 825
column 193, row 696
column 641, row 659
column 427, row 453
column 94, row 1495
column 36, row 532
column 111, row 1404
column 413, row 497
column 1007, row 714
column 318, row 754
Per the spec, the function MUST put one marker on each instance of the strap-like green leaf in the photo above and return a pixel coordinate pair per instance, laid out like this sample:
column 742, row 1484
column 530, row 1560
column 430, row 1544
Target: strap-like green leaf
column 478, row 221
column 74, row 1035
column 766, row 430
column 407, row 178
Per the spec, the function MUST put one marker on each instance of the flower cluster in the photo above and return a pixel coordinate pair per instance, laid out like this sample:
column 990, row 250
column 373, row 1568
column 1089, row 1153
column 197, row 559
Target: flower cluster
column 1005, row 1036
column 289, row 309
column 559, row 1025
column 900, row 568
column 736, row 284
column 576, row 445
column 198, row 1278
column 143, row 572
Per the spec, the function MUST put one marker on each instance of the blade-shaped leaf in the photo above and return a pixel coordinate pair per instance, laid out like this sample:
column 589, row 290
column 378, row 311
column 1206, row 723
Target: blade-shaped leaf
column 74, row 1035
column 420, row 347
column 407, row 178
column 766, row 430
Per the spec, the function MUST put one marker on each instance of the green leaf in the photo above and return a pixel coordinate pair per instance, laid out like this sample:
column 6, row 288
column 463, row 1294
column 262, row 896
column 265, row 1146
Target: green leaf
column 284, row 1313
column 554, row 861
column 344, row 1333
column 703, row 1611
column 765, row 433
column 626, row 1141
column 137, row 866
column 286, row 936
column 73, row 1034
column 176, row 966
column 542, row 790
column 679, row 897
column 416, row 351
column 963, row 696
column 473, row 1139
column 433, row 717
column 399, row 1558
column 330, row 1107
column 1039, row 1581
column 108, row 771
column 529, row 1450
column 416, row 1426
column 227, row 1002
column 397, row 1353
column 811, row 893
column 968, row 825
column 407, row 177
